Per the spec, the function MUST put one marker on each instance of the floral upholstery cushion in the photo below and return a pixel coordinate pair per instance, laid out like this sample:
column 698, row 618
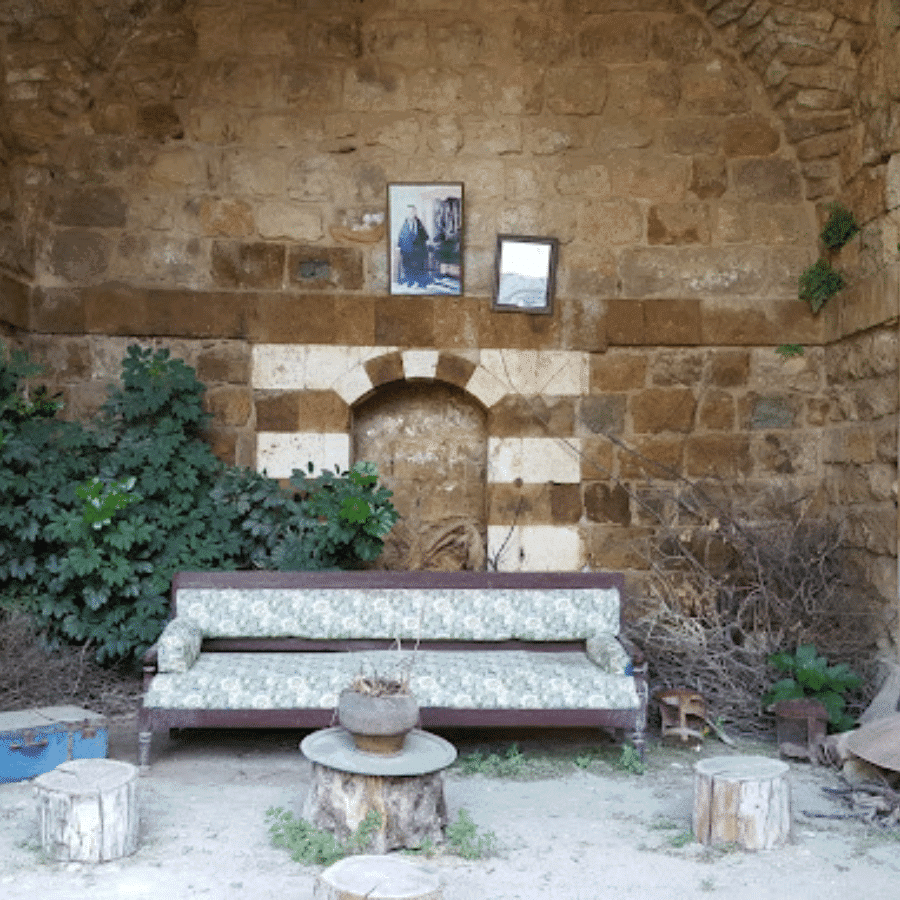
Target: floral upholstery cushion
column 605, row 651
column 494, row 679
column 178, row 646
column 408, row 614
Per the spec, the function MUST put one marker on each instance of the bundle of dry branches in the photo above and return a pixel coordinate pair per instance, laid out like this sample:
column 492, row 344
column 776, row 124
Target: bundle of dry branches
column 34, row 675
column 724, row 596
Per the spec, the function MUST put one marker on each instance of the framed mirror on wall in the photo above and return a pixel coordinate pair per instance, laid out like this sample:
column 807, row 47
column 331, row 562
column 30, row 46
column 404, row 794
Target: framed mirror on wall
column 525, row 273
column 425, row 236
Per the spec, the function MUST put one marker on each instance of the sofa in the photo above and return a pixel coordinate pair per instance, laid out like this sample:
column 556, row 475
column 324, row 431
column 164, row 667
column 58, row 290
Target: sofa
column 481, row 649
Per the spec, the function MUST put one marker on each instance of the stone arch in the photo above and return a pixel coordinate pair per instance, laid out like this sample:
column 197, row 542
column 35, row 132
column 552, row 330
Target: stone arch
column 439, row 484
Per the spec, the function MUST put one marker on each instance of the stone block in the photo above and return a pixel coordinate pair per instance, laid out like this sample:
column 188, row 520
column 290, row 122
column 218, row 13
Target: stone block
column 693, row 135
column 52, row 310
column 284, row 318
column 607, row 503
column 354, row 320
column 310, row 411
column 616, row 548
column 178, row 167
column 92, row 207
column 279, row 454
column 61, row 360
column 385, row 369
column 534, row 459
column 682, row 39
column 770, row 180
column 247, row 265
column 405, row 321
column 535, row 548
column 716, row 89
column 679, row 223
column 541, row 41
column 647, row 91
column 519, row 504
column 518, row 331
column 663, row 409
column 648, row 176
column 454, row 369
column 159, row 122
column 768, row 412
column 721, row 456
column 398, row 40
column 313, row 267
column 535, row 416
column 784, row 454
column 602, row 415
column 691, row 271
column 79, row 255
column 659, row 458
column 677, row 367
column 617, row 371
column 226, row 218
column 583, row 325
column 291, row 221
column 716, row 411
column 565, row 503
column 709, row 176
column 596, row 458
column 492, row 137
column 781, row 224
column 750, row 137
column 230, row 406
column 530, row 372
column 576, row 90
column 611, row 222
column 625, row 321
column 615, row 38
column 228, row 363
column 375, row 87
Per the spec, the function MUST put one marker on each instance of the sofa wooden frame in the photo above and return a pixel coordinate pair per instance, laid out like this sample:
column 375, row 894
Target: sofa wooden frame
column 632, row 722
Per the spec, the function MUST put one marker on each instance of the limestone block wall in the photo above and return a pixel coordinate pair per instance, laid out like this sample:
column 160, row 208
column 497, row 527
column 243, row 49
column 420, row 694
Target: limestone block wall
column 169, row 170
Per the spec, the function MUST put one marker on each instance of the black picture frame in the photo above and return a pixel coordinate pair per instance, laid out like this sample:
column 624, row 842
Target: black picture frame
column 525, row 274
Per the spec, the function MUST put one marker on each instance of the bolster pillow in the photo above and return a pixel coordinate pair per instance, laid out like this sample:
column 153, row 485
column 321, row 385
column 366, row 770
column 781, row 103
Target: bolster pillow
column 178, row 646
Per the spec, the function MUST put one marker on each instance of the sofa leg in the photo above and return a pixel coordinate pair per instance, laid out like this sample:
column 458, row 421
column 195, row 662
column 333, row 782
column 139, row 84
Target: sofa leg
column 144, row 739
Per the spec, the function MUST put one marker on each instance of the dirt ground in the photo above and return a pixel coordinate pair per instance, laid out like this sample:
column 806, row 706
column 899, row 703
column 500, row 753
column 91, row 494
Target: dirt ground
column 575, row 833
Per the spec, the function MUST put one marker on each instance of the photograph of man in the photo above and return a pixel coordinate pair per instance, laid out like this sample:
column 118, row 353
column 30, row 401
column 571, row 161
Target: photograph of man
column 413, row 245
column 425, row 238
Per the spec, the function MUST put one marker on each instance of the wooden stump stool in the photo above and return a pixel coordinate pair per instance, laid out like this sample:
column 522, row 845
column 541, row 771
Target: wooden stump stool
column 744, row 800
column 376, row 878
column 411, row 809
column 87, row 810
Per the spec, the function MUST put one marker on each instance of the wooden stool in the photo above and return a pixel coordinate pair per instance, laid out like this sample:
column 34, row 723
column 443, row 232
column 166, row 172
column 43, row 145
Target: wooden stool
column 411, row 808
column 87, row 810
column 376, row 878
column 683, row 714
column 744, row 800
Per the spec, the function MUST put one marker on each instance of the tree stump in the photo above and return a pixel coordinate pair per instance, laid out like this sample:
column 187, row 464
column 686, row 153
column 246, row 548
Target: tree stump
column 376, row 878
column 88, row 810
column 411, row 807
column 744, row 800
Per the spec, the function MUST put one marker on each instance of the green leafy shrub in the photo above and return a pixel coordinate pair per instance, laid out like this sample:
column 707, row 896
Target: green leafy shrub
column 819, row 283
column 94, row 522
column 465, row 839
column 840, row 227
column 313, row 846
column 811, row 676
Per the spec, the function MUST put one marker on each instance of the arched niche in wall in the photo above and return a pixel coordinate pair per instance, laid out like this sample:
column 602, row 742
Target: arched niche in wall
column 429, row 440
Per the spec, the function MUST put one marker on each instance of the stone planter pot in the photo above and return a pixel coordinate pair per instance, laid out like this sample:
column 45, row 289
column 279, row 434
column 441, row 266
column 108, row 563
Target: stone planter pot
column 378, row 724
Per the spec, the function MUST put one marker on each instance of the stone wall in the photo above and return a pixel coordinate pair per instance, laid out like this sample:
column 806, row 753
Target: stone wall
column 169, row 169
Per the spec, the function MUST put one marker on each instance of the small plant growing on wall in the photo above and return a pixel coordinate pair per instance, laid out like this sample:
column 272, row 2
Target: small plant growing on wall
column 821, row 281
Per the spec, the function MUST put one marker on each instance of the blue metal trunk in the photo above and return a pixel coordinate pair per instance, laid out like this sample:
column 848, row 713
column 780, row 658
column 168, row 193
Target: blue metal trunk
column 34, row 741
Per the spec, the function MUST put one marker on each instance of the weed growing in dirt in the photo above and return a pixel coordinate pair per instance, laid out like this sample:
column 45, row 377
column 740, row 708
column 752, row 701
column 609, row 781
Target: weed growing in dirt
column 465, row 840
column 681, row 839
column 511, row 764
column 708, row 884
column 631, row 761
column 313, row 846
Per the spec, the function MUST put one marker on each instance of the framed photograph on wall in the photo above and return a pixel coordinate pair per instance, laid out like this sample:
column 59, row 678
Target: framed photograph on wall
column 425, row 238
column 525, row 273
